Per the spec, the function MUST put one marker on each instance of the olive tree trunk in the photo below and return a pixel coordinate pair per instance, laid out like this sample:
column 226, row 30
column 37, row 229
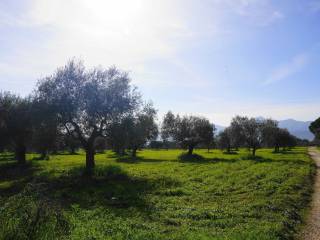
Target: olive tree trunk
column 190, row 150
column 20, row 154
column 134, row 152
column 90, row 158
column 254, row 149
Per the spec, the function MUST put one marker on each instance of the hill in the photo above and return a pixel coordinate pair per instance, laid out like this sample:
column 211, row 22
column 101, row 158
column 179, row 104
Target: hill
column 299, row 129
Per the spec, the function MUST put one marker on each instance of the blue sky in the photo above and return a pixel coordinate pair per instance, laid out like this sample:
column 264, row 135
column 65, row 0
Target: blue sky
column 215, row 58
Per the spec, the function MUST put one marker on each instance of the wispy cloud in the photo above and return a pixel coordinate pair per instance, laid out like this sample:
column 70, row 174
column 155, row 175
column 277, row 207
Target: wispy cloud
column 296, row 64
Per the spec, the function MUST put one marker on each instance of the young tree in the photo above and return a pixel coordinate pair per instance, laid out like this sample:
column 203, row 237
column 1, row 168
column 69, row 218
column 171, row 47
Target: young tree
column 167, row 127
column 143, row 128
column 16, row 123
column 189, row 131
column 269, row 130
column 208, row 135
column 45, row 127
column 118, row 134
column 284, row 139
column 225, row 139
column 251, row 131
column 236, row 133
column 87, row 101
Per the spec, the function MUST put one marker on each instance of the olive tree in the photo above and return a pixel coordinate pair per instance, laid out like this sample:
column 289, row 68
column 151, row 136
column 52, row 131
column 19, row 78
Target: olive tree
column 225, row 139
column 143, row 128
column 118, row 134
column 88, row 101
column 284, row 139
column 45, row 128
column 269, row 131
column 167, row 127
column 16, row 123
column 251, row 131
column 189, row 131
column 236, row 133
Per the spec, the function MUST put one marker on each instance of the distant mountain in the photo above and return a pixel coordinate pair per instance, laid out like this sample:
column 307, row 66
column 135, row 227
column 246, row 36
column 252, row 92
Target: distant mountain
column 299, row 129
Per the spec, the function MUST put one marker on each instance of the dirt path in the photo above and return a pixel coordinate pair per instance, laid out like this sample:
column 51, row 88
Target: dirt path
column 312, row 229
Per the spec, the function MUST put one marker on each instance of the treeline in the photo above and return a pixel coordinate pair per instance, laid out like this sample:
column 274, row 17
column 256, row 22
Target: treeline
column 98, row 108
column 190, row 132
column 255, row 133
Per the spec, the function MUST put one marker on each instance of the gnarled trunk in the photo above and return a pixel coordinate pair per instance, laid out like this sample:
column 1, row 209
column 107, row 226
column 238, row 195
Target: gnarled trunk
column 90, row 158
column 190, row 150
column 254, row 151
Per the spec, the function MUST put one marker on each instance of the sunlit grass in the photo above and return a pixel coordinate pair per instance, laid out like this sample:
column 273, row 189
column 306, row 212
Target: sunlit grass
column 158, row 196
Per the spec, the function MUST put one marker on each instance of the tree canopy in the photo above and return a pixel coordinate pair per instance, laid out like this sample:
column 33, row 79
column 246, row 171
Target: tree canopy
column 87, row 101
column 189, row 131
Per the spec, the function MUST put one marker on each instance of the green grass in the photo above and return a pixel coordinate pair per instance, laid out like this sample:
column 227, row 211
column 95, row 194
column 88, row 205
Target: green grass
column 157, row 196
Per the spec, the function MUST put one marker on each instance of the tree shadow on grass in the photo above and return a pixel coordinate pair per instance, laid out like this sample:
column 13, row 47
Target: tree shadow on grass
column 108, row 187
column 16, row 175
column 138, row 159
column 67, row 153
column 260, row 159
column 230, row 153
column 184, row 157
column 286, row 152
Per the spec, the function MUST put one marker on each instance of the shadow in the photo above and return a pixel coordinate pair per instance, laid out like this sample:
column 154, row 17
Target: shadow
column 138, row 159
column 286, row 152
column 184, row 157
column 65, row 153
column 128, row 159
column 256, row 158
column 260, row 159
column 109, row 187
column 16, row 175
column 230, row 153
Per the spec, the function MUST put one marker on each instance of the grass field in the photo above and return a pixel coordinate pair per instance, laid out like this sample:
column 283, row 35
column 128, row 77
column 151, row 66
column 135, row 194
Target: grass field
column 158, row 196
